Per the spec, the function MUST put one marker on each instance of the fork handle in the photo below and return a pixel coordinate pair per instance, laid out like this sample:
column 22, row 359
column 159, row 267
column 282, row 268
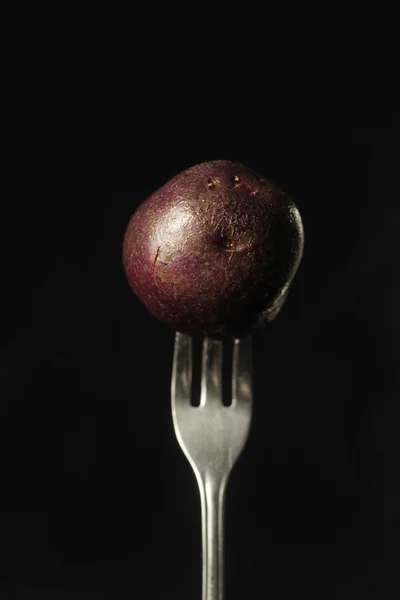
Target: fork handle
column 212, row 494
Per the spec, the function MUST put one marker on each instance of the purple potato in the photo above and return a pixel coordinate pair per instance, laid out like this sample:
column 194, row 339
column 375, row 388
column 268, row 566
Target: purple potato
column 214, row 250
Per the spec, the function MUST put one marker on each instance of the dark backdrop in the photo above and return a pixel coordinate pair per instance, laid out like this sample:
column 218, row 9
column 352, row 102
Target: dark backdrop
column 102, row 106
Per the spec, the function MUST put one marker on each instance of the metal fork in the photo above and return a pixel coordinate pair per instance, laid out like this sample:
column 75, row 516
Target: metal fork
column 212, row 436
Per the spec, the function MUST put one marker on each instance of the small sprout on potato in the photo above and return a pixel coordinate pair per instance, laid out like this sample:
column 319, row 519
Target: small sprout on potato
column 210, row 184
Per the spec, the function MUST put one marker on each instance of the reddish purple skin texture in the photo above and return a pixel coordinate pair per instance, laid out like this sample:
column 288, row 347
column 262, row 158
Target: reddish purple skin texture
column 213, row 250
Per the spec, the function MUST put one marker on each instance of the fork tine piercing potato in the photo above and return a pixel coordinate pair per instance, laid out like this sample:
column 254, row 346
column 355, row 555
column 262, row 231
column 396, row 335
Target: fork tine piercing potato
column 214, row 250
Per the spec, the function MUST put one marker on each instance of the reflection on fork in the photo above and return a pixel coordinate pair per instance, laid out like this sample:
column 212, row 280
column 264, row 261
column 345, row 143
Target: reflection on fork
column 212, row 437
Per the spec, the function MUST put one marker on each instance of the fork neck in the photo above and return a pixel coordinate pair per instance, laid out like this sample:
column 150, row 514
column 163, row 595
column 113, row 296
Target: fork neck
column 212, row 492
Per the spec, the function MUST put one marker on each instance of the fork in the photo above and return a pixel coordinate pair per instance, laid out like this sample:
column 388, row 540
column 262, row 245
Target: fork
column 212, row 437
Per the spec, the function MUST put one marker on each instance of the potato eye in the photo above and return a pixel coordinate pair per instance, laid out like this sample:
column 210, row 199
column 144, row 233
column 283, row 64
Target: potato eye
column 210, row 183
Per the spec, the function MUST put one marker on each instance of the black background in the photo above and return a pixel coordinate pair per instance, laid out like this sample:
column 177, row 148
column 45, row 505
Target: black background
column 103, row 104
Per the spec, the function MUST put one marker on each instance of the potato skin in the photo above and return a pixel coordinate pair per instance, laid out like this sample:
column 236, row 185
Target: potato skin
column 214, row 250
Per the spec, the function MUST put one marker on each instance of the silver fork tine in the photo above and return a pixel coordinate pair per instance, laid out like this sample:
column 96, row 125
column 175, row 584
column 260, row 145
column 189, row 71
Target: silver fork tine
column 242, row 373
column 181, row 383
column 211, row 372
